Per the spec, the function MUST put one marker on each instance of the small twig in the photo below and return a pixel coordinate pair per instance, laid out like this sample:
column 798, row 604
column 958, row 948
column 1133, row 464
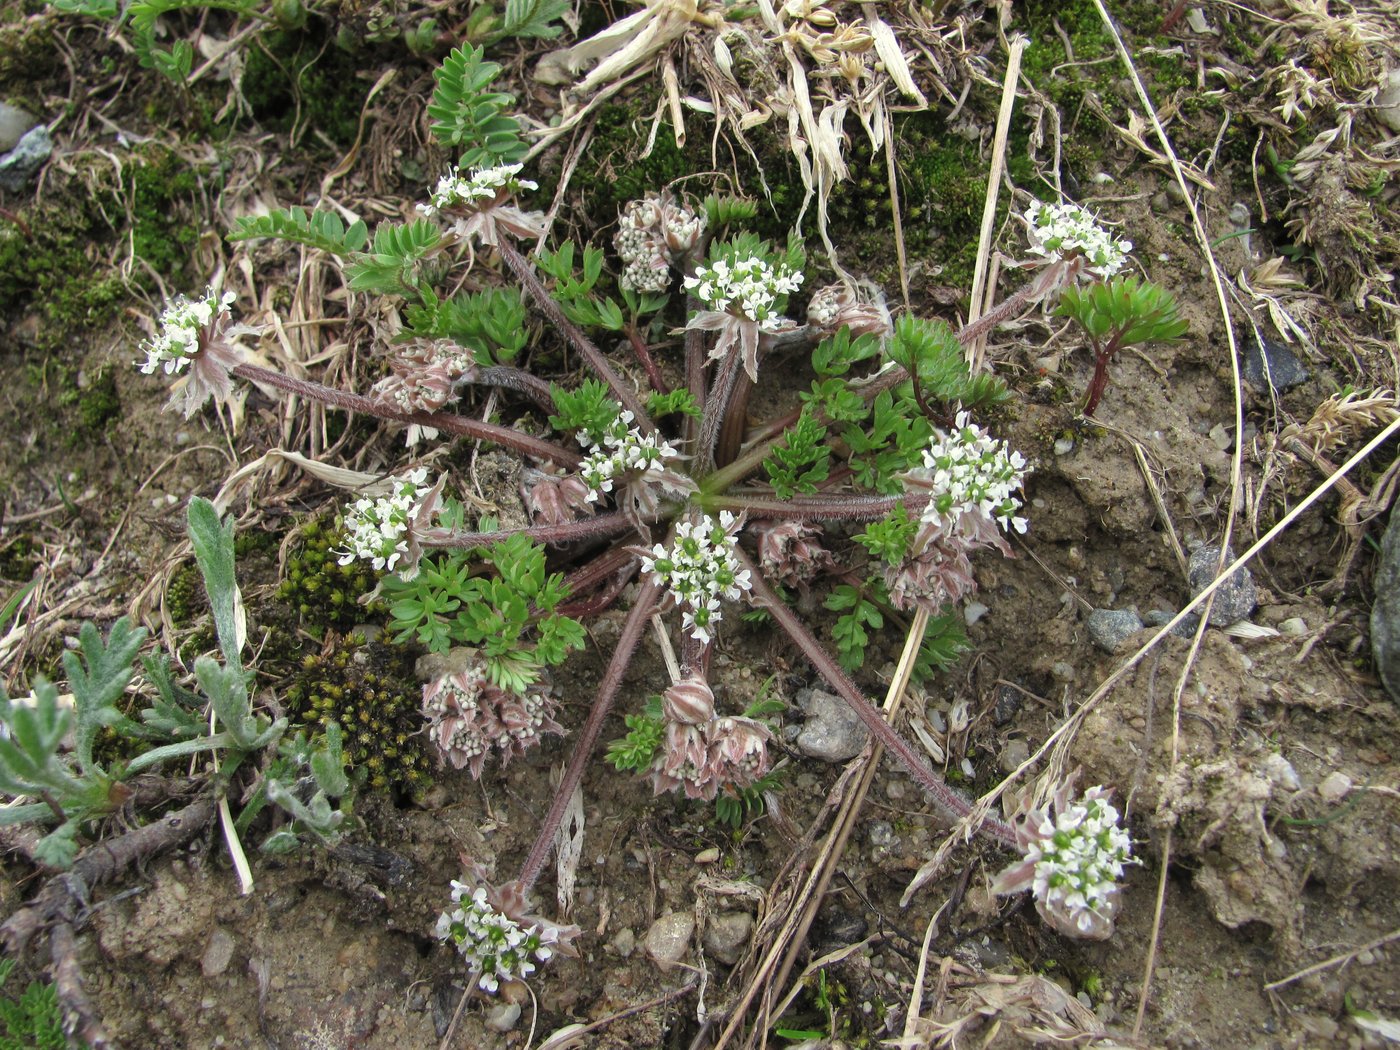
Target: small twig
column 1336, row 960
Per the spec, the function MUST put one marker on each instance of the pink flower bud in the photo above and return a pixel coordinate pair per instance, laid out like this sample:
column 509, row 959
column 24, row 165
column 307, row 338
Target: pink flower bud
column 690, row 702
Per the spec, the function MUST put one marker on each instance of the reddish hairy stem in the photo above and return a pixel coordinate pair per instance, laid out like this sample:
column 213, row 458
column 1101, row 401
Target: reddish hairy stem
column 853, row 508
column 569, row 532
column 943, row 796
column 510, row 378
column 632, row 630
column 695, row 359
column 453, row 424
column 639, row 347
column 525, row 274
column 583, row 580
column 716, row 408
column 731, row 431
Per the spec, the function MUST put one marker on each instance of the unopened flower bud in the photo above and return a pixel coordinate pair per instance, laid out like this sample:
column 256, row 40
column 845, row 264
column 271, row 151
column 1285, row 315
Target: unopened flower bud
column 690, row 702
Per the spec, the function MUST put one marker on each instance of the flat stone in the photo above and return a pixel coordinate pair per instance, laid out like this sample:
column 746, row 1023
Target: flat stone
column 833, row 732
column 218, row 954
column 1284, row 368
column 14, row 122
column 23, row 162
column 1236, row 597
column 727, row 935
column 1385, row 613
column 1110, row 628
column 669, row 938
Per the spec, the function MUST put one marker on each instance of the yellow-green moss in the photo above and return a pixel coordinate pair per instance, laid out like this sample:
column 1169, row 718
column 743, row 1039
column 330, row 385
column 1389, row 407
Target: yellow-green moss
column 324, row 593
column 370, row 692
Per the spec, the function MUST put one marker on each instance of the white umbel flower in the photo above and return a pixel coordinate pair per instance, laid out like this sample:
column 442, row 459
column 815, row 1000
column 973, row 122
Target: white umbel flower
column 700, row 569
column 970, row 472
column 748, row 288
column 1061, row 231
column 181, row 324
column 495, row 946
column 481, row 184
column 621, row 454
column 376, row 530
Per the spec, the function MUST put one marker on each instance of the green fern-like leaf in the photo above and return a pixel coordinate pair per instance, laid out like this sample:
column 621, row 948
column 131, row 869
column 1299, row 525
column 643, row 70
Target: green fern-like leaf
column 467, row 117
column 316, row 229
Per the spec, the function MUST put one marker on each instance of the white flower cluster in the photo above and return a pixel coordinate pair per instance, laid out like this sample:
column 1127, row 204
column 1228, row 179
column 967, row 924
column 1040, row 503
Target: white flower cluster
column 494, row 945
column 1058, row 231
column 376, row 529
column 180, row 325
column 652, row 233
column 701, row 568
column 1078, row 859
column 973, row 473
column 482, row 184
column 748, row 287
column 621, row 452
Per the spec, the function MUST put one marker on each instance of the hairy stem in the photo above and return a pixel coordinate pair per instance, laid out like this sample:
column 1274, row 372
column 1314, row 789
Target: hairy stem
column 525, row 273
column 453, row 424
column 731, row 431
column 644, row 358
column 716, row 409
column 943, row 796
column 852, row 508
column 509, row 378
column 694, row 371
column 632, row 630
column 583, row 580
column 602, row 526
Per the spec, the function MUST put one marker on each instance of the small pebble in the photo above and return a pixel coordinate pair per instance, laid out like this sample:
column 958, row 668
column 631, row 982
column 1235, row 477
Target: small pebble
column 1007, row 703
column 833, row 732
column 974, row 611
column 1064, row 446
column 1294, row 625
column 1110, row 628
column 1235, row 598
column 707, row 856
column 881, row 833
column 218, row 954
column 1334, row 787
column 669, row 938
column 503, row 1017
column 14, row 122
column 624, row 942
column 727, row 934
column 1015, row 752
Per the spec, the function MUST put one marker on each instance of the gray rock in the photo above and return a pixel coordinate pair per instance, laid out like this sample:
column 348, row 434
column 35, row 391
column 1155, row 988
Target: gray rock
column 1004, row 707
column 727, row 935
column 881, row 833
column 833, row 732
column 624, row 942
column 1236, row 597
column 218, row 954
column 1110, row 628
column 14, row 122
column 1284, row 367
column 20, row 165
column 1185, row 629
column 669, row 938
column 1385, row 613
